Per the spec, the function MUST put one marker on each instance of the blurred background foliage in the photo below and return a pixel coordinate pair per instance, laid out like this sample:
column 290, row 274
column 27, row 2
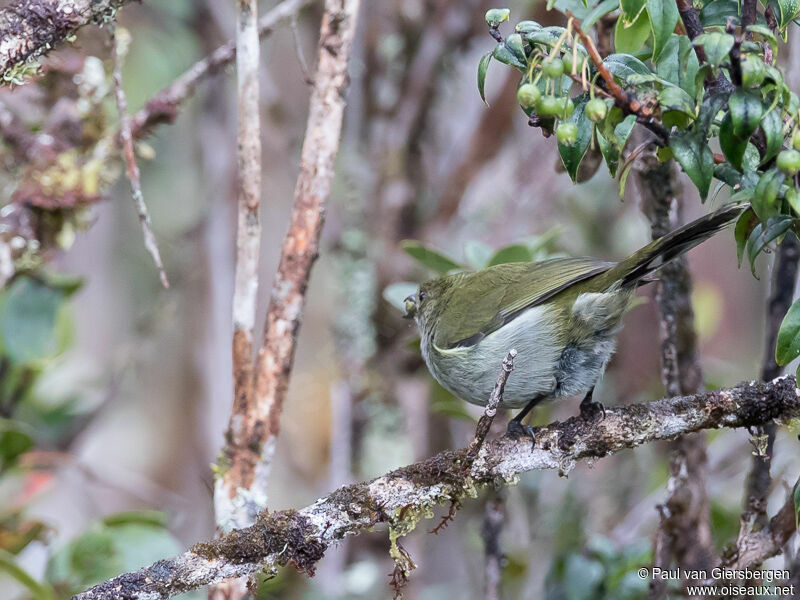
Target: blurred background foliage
column 114, row 393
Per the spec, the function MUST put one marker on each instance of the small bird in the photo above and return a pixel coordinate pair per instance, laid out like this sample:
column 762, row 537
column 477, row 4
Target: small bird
column 561, row 315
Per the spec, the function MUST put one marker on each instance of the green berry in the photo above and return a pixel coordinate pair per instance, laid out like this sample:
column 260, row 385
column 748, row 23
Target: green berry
column 753, row 71
column 567, row 107
column 796, row 140
column 567, row 133
column 549, row 106
column 788, row 161
column 553, row 68
column 528, row 95
column 596, row 110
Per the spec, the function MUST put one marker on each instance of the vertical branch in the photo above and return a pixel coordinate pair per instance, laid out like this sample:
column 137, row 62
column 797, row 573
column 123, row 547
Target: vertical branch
column 784, row 276
column 684, row 531
column 494, row 517
column 131, row 168
column 241, row 489
column 248, row 232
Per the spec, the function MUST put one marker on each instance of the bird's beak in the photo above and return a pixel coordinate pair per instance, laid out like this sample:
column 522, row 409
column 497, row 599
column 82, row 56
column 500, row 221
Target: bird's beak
column 411, row 306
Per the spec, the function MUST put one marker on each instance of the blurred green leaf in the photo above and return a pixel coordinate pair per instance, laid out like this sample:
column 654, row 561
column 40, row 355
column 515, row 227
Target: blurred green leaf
column 717, row 12
column 716, row 46
column 445, row 403
column 623, row 65
column 767, row 34
column 510, row 254
column 663, row 18
column 788, row 345
column 630, row 36
column 582, row 577
column 772, row 126
column 611, row 144
column 495, row 16
column 599, row 11
column 674, row 98
column 788, row 11
column 763, row 234
column 477, row 254
column 38, row 591
column 695, row 157
column 396, row 293
column 631, row 9
column 432, row 259
column 483, row 66
column 14, row 441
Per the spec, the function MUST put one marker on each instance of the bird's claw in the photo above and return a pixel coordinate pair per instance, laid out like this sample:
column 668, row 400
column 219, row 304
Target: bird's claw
column 516, row 430
column 591, row 411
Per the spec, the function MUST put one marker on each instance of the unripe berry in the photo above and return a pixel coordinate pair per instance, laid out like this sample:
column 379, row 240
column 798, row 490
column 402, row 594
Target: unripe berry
column 528, row 95
column 796, row 139
column 788, row 161
column 549, row 106
column 553, row 67
column 596, row 110
column 567, row 133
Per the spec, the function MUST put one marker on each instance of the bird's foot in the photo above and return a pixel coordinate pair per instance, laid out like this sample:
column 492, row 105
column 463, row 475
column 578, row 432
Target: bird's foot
column 516, row 430
column 592, row 411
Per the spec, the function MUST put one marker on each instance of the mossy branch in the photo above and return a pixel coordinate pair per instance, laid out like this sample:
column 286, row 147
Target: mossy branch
column 300, row 537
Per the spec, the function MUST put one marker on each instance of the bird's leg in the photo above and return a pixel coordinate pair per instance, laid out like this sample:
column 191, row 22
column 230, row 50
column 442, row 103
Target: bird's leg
column 515, row 427
column 590, row 409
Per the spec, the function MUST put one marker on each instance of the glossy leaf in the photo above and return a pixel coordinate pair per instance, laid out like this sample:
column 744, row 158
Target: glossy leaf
column 630, row 36
column 546, row 35
column 611, row 149
column 663, row 18
column 434, row 260
column 527, row 27
column 511, row 254
column 674, row 98
column 483, row 67
column 514, row 43
column 763, row 234
column 767, row 34
column 746, row 112
column 631, row 9
column 495, row 16
column 717, row 13
column 695, row 157
column 733, row 146
column 745, row 224
column 623, row 65
column 788, row 346
column 598, row 12
column 766, row 193
column 504, row 55
column 716, row 46
column 573, row 154
column 788, row 11
column 772, row 126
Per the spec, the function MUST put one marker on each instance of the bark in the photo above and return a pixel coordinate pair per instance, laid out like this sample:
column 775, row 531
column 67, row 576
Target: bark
column 31, row 28
column 240, row 491
column 301, row 537
column 684, row 531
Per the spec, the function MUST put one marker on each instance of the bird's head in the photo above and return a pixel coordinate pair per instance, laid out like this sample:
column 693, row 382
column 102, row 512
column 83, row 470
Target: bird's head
column 427, row 303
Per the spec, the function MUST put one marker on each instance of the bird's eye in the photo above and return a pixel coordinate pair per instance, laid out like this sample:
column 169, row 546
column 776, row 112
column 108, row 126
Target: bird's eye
column 421, row 295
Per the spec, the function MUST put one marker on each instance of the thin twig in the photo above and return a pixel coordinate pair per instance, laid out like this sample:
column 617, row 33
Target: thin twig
column 131, row 168
column 241, row 491
column 494, row 517
column 301, row 537
column 485, row 422
column 298, row 47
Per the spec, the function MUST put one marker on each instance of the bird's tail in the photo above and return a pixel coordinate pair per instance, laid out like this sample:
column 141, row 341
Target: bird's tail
column 639, row 265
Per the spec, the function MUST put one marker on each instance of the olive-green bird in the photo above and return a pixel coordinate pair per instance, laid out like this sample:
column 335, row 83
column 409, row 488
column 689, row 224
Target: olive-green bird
column 561, row 315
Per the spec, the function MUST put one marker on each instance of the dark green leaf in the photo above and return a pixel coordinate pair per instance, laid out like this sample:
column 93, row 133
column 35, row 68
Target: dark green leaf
column 765, row 202
column 514, row 43
column 572, row 155
column 511, row 254
column 717, row 13
column 631, row 8
column 506, row 56
column 663, row 18
column 733, row 146
column 483, row 66
column 788, row 346
column 434, row 260
column 13, row 442
column 695, row 157
column 744, row 227
column 763, row 234
column 546, row 35
column 767, row 34
column 28, row 316
column 711, row 105
column 630, row 36
column 527, row 27
column 772, row 126
column 726, row 173
column 788, row 11
column 599, row 11
column 746, row 112
column 716, row 46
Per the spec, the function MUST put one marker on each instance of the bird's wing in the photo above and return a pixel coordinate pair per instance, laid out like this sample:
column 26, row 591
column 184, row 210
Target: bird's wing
column 503, row 292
